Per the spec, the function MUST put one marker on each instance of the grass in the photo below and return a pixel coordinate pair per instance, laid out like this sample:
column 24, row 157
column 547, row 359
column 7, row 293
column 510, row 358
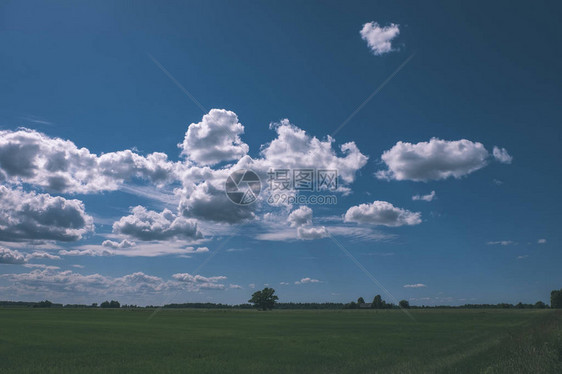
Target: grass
column 230, row 341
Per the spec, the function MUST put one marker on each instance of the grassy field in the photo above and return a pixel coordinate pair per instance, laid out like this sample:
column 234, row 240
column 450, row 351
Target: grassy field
column 225, row 341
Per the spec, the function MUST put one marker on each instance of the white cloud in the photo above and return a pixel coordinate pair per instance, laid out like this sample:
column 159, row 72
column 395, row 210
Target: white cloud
column 203, row 196
column 381, row 213
column 429, row 197
column 312, row 233
column 252, row 285
column 42, row 255
column 541, row 241
column 307, row 280
column 295, row 149
column 210, row 203
column 301, row 216
column 417, row 285
column 378, row 38
column 118, row 245
column 147, row 225
column 502, row 242
column 433, row 160
column 522, row 257
column 284, row 283
column 501, row 155
column 200, row 281
column 215, row 139
column 142, row 249
column 86, row 252
column 68, row 283
column 235, row 286
column 32, row 216
column 41, row 266
column 59, row 165
column 9, row 256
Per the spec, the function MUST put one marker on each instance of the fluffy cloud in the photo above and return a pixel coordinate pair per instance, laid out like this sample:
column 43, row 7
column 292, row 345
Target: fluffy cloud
column 52, row 281
column 307, row 281
column 42, row 255
column 433, row 160
column 428, row 197
column 378, row 38
column 382, row 213
column 59, row 165
column 149, row 225
column 8, row 256
column 541, row 241
column 200, row 281
column 118, row 245
column 32, row 216
column 295, row 149
column 215, row 139
column 417, row 285
column 86, row 252
column 501, row 155
column 311, row 233
column 209, row 202
column 301, row 216
column 203, row 194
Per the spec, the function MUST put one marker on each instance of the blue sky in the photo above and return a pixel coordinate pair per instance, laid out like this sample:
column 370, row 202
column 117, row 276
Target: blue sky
column 99, row 144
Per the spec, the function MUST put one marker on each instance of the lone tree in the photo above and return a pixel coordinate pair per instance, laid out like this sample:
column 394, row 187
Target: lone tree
column 556, row 299
column 264, row 299
column 404, row 304
column 361, row 301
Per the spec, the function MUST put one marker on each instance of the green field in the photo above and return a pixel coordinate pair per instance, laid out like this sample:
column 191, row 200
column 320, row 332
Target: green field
column 225, row 341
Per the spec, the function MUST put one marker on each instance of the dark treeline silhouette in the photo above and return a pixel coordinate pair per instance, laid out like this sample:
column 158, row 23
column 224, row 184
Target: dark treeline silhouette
column 110, row 304
column 377, row 303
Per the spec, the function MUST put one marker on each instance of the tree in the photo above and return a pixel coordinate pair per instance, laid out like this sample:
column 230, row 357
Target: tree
column 540, row 305
column 556, row 299
column 378, row 303
column 43, row 304
column 360, row 301
column 110, row 304
column 404, row 304
column 264, row 299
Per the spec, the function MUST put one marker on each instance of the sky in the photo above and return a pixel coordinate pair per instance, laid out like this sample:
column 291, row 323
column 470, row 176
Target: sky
column 121, row 123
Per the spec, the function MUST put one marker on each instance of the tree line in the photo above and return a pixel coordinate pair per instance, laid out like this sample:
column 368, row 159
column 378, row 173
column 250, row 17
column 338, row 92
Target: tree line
column 266, row 300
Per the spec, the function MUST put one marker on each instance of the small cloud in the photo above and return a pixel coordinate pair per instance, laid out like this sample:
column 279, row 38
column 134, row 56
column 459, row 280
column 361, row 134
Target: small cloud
column 429, row 197
column 417, row 285
column 252, row 285
column 284, row 283
column 235, row 286
column 497, row 182
column 307, row 281
column 78, row 266
column 9, row 256
column 378, row 38
column 502, row 242
column 541, row 241
column 522, row 257
column 501, row 155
